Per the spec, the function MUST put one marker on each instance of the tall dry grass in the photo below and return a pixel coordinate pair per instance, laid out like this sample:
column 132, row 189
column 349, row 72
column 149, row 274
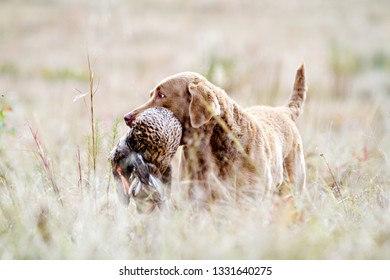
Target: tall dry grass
column 250, row 48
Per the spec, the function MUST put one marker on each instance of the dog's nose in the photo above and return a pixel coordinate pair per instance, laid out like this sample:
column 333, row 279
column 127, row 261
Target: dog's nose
column 129, row 118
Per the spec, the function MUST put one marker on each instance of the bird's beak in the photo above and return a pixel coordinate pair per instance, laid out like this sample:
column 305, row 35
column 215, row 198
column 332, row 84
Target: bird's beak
column 125, row 182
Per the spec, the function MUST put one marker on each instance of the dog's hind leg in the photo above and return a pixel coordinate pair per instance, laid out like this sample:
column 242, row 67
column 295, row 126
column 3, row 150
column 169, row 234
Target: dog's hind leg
column 294, row 165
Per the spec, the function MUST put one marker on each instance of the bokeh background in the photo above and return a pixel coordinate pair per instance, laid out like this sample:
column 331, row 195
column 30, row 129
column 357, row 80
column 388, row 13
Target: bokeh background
column 249, row 48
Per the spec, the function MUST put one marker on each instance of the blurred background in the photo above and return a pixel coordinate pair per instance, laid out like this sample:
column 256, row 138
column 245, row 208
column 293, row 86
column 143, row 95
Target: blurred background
column 250, row 48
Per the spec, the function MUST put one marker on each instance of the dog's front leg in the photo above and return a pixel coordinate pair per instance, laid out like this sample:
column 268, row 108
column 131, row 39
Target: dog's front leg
column 196, row 164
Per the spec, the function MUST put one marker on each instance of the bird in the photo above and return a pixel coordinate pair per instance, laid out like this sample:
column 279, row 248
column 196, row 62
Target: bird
column 141, row 161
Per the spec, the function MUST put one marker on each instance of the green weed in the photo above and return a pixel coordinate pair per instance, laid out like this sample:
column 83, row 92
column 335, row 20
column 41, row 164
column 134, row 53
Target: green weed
column 65, row 74
column 5, row 110
column 9, row 69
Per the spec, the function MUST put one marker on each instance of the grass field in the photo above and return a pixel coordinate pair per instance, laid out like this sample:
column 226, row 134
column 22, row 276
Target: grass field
column 55, row 204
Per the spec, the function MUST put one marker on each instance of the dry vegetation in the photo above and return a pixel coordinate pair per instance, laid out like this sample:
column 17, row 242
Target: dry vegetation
column 55, row 204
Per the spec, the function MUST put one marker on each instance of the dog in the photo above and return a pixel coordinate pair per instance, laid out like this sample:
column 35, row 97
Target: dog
column 257, row 145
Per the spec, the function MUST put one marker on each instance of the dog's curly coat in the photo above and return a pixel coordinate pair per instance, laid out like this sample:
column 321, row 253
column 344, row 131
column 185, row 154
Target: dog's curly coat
column 254, row 145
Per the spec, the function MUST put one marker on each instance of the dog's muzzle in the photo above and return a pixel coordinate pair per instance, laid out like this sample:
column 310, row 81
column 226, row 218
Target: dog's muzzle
column 129, row 118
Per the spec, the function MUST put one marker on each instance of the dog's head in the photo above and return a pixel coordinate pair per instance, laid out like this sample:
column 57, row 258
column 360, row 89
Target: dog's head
column 189, row 96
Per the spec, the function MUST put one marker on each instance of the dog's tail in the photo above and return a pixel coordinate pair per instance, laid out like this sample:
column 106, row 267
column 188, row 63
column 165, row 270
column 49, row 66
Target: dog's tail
column 298, row 95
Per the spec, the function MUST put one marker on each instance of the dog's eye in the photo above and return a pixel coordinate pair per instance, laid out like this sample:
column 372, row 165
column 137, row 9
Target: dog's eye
column 161, row 95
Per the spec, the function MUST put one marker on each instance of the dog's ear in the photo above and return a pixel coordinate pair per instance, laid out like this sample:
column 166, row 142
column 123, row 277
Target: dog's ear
column 203, row 106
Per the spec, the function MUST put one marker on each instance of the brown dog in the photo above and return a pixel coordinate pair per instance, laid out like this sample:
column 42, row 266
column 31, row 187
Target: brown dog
column 260, row 144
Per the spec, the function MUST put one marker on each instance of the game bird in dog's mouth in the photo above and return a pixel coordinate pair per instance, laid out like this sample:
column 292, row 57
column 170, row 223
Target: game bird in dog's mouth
column 141, row 162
